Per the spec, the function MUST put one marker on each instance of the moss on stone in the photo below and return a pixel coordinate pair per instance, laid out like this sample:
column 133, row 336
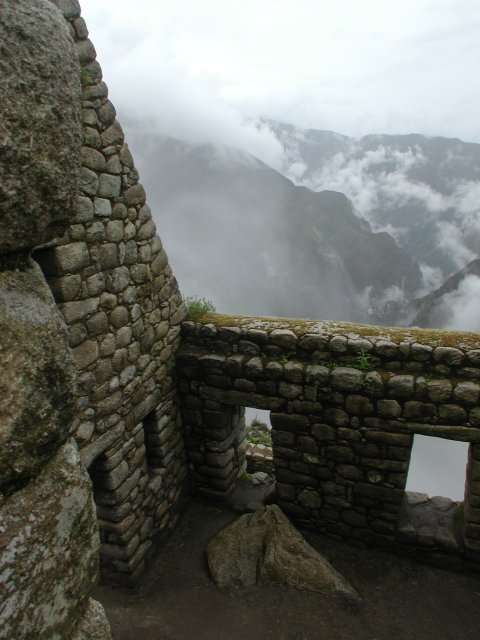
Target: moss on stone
column 301, row 326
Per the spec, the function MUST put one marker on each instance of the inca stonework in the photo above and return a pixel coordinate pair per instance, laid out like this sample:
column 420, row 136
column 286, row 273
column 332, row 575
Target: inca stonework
column 342, row 436
column 111, row 280
column 48, row 529
column 105, row 386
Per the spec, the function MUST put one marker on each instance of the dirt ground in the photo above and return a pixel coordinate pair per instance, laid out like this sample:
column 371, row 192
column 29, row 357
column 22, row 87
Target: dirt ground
column 402, row 600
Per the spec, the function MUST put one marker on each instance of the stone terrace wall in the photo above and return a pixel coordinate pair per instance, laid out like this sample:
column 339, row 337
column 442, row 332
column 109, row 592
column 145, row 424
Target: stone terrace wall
column 112, row 282
column 342, row 436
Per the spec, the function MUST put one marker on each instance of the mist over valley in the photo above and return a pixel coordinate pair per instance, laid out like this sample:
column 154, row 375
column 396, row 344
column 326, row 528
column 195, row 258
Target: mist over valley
column 361, row 230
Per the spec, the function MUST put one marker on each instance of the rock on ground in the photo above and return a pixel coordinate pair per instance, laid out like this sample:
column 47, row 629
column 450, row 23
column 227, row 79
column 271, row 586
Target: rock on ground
column 94, row 624
column 264, row 547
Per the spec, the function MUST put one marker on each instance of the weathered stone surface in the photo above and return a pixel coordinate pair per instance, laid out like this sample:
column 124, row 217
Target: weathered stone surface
column 119, row 279
column 91, row 138
column 421, row 411
column 338, row 344
column 95, row 232
column 69, row 8
column 115, row 230
column 448, row 355
column 313, row 342
column 36, row 398
column 86, row 353
column 421, row 352
column 78, row 309
column 66, row 288
column 85, row 51
column 466, row 392
column 439, row 390
column 107, row 113
column 401, row 386
column 386, row 348
column 147, row 230
column 88, row 181
column 40, row 152
column 98, row 446
column 263, row 547
column 84, row 209
column 113, row 135
column 283, row 338
column 94, row 624
column 109, row 186
column 92, row 159
column 68, row 258
column 388, row 408
column 346, row 379
column 50, row 551
column 103, row 207
column 373, row 384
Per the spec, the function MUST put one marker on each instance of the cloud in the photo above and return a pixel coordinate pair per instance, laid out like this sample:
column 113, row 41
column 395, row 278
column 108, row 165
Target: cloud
column 378, row 182
column 451, row 239
column 352, row 67
column 461, row 306
column 152, row 84
column 373, row 177
column 432, row 278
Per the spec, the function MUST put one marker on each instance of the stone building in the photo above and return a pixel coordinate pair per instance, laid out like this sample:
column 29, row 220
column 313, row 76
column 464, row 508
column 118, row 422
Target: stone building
column 113, row 408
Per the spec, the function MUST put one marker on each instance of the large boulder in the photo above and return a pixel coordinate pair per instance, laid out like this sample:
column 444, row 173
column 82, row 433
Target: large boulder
column 49, row 561
column 264, row 547
column 40, row 126
column 36, row 385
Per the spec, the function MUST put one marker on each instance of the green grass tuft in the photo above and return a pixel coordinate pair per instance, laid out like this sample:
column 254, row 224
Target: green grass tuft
column 198, row 307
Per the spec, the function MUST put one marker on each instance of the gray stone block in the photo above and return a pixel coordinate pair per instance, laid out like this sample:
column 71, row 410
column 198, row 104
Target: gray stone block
column 448, row 355
column 345, row 379
column 134, row 195
column 113, row 135
column 92, row 159
column 401, row 386
column 109, row 186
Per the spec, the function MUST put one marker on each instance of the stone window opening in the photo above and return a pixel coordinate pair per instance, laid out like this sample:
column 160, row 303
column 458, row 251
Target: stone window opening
column 432, row 510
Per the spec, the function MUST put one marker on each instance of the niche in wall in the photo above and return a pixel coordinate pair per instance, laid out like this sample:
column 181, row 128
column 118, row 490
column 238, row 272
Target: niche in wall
column 154, row 449
column 438, row 467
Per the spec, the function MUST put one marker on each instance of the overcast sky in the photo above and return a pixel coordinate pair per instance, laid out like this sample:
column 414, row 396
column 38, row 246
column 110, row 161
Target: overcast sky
column 201, row 67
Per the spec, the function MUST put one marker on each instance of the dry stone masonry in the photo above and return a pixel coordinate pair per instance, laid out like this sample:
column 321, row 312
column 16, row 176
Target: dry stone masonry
column 346, row 402
column 110, row 277
column 112, row 405
column 48, row 530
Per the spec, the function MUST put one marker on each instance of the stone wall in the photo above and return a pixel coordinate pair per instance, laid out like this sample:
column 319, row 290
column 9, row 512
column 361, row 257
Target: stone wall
column 345, row 403
column 48, row 531
column 111, row 280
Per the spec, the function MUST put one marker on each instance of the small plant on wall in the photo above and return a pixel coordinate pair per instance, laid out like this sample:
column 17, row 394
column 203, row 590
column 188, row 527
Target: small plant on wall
column 363, row 360
column 197, row 307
